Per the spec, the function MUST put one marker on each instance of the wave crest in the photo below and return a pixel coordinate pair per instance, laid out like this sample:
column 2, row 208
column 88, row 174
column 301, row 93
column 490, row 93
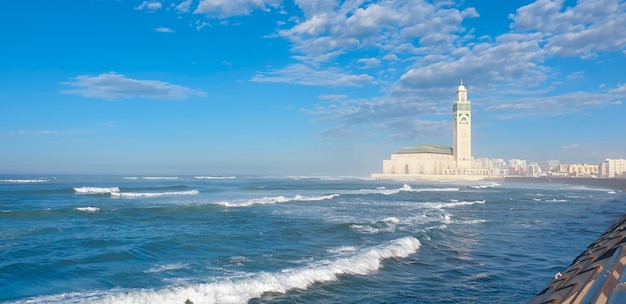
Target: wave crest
column 88, row 209
column 277, row 199
column 96, row 190
column 243, row 289
column 23, row 181
column 154, row 194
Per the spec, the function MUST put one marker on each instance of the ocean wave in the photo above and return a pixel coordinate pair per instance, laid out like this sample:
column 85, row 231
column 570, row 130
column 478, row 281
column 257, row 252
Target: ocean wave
column 160, row 177
column 404, row 188
column 96, row 190
column 277, row 199
column 483, row 186
column 23, row 181
column 167, row 267
column 244, row 288
column 387, row 225
column 215, row 177
column 556, row 200
column 88, row 209
column 451, row 204
column 154, row 194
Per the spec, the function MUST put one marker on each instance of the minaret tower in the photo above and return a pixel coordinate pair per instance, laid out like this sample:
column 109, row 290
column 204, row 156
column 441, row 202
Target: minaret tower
column 462, row 129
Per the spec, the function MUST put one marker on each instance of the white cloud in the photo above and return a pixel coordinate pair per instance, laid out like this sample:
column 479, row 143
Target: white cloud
column 21, row 133
column 368, row 63
column 384, row 25
column 202, row 24
column 229, row 8
column 149, row 6
column 114, row 86
column 398, row 116
column 419, row 50
column 391, row 57
column 307, row 75
column 162, row 29
column 581, row 30
column 184, row 7
column 510, row 58
column 332, row 97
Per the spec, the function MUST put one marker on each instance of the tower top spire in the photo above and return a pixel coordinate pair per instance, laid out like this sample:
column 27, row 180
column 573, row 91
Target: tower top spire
column 461, row 86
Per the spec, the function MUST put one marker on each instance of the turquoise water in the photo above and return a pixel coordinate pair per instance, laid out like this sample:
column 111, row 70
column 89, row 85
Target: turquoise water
column 233, row 239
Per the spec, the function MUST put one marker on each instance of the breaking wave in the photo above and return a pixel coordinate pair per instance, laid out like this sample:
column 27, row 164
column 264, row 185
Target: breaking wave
column 88, row 209
column 215, row 177
column 167, row 267
column 277, row 199
column 160, row 177
column 23, row 181
column 96, row 190
column 404, row 188
column 242, row 289
column 451, row 204
column 483, row 186
column 154, row 194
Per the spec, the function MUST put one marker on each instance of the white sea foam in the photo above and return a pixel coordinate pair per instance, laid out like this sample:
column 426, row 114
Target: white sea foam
column 131, row 177
column 88, row 209
column 23, row 181
column 154, row 194
column 277, row 199
column 451, row 204
column 387, row 225
column 471, row 222
column 215, row 177
column 96, row 190
column 556, row 200
column 392, row 220
column 483, row 186
column 342, row 250
column 166, row 267
column 160, row 177
column 242, row 289
column 404, row 188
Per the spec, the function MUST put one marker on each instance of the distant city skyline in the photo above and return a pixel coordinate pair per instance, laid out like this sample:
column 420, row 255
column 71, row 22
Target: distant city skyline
column 276, row 87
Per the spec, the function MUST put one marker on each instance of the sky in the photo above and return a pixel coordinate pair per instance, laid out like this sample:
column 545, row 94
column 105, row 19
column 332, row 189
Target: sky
column 303, row 87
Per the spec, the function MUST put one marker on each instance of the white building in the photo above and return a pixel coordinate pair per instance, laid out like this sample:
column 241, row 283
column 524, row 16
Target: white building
column 436, row 161
column 615, row 168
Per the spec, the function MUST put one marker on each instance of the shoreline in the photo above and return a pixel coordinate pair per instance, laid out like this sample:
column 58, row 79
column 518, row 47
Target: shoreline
column 612, row 183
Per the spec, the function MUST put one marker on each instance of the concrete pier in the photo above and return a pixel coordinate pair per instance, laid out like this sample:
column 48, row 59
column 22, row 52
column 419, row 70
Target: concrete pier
column 595, row 276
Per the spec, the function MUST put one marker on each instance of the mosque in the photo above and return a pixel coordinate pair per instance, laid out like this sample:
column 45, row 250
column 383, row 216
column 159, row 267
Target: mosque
column 440, row 162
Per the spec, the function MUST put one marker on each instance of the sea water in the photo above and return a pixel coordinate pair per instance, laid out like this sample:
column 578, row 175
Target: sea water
column 238, row 239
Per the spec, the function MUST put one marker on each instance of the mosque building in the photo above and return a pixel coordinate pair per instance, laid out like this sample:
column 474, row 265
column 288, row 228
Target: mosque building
column 440, row 162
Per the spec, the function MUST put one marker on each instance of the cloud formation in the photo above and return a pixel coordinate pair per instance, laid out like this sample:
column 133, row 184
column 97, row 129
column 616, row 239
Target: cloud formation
column 113, row 86
column 149, row 6
column 229, row 8
column 162, row 29
column 416, row 51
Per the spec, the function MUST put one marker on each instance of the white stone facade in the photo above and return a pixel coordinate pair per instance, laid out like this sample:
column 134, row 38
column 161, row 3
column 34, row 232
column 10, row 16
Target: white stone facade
column 439, row 161
column 615, row 167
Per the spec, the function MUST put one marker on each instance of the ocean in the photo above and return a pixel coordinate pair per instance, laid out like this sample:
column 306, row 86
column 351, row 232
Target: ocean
column 298, row 239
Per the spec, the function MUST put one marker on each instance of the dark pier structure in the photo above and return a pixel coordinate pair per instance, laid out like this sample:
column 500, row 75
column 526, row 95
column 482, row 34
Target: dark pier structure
column 595, row 276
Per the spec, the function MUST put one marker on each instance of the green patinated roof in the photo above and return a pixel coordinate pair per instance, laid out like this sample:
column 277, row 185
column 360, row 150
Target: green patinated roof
column 434, row 149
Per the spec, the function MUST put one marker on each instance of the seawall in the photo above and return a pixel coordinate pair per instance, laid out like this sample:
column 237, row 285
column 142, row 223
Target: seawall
column 610, row 183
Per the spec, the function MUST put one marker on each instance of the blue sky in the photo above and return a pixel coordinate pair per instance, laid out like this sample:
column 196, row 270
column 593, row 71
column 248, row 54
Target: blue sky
column 302, row 87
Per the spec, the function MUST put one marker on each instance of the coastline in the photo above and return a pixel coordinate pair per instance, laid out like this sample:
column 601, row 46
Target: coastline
column 612, row 183
column 432, row 177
